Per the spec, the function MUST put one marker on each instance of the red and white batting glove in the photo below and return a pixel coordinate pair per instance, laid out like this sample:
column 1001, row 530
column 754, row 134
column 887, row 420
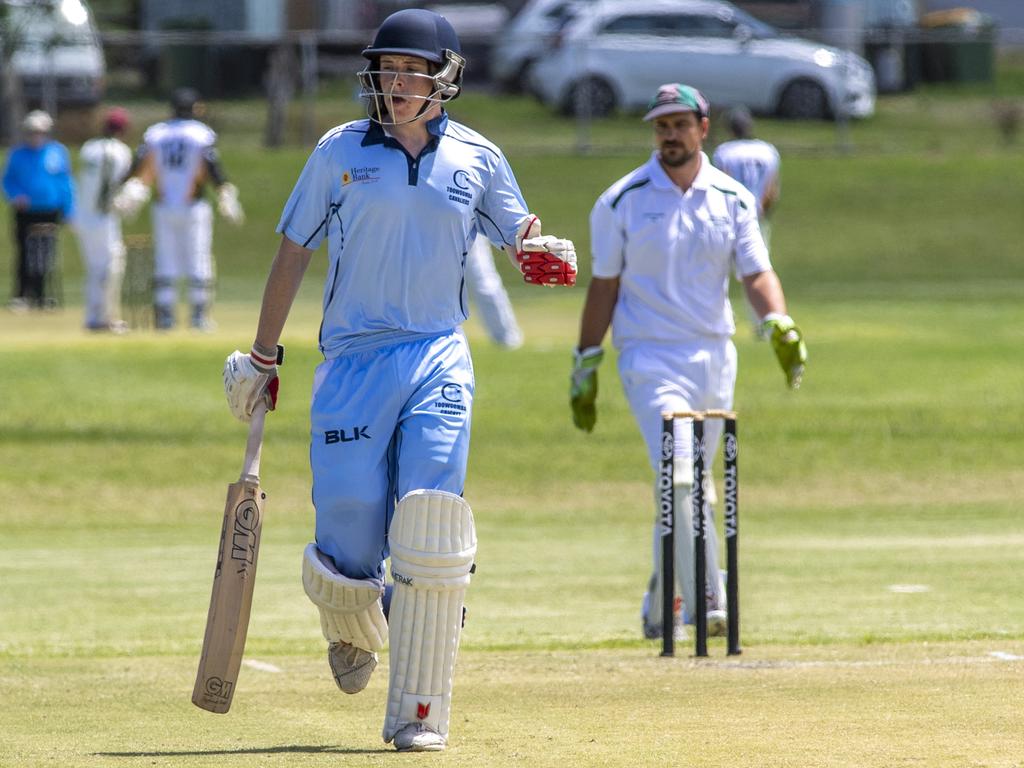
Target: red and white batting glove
column 544, row 259
column 250, row 378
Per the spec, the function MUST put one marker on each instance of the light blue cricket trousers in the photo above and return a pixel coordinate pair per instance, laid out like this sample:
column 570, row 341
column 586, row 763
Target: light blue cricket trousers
column 385, row 422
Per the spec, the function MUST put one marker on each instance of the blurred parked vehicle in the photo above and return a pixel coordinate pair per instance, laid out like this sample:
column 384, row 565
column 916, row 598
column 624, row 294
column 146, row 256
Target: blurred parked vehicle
column 807, row 14
column 55, row 50
column 527, row 37
column 614, row 55
column 478, row 25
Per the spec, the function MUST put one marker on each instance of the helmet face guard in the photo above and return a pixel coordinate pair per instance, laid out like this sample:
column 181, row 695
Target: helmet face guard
column 446, row 84
column 412, row 32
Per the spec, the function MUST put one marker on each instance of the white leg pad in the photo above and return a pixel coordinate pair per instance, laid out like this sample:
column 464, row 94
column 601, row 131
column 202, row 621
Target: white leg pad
column 350, row 609
column 433, row 543
column 686, row 582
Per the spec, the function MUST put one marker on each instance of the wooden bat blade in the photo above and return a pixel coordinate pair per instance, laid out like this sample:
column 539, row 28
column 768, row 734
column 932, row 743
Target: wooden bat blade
column 231, row 600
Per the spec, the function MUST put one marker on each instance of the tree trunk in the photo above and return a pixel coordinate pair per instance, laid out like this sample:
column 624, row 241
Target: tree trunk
column 280, row 82
column 12, row 105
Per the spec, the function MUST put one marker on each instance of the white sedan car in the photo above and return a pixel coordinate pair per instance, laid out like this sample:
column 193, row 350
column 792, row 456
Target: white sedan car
column 616, row 54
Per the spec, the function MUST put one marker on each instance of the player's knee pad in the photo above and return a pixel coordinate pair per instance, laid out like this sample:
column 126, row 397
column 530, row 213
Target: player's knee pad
column 433, row 543
column 350, row 609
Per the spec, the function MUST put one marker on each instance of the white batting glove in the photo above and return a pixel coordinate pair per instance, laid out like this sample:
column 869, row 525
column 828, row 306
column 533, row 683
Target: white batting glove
column 544, row 259
column 249, row 378
column 228, row 204
column 130, row 198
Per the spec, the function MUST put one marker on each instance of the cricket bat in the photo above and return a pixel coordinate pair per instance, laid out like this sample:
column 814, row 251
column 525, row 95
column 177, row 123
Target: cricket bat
column 233, row 580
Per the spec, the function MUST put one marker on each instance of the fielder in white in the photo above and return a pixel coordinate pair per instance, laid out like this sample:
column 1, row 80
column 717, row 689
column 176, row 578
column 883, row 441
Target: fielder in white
column 178, row 157
column 490, row 297
column 399, row 198
column 104, row 162
column 665, row 239
column 755, row 164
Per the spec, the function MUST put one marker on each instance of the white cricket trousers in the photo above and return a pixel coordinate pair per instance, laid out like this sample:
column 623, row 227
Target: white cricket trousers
column 490, row 296
column 183, row 240
column 691, row 376
column 103, row 255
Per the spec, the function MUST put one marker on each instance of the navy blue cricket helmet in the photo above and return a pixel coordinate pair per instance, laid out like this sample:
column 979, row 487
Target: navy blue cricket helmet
column 183, row 102
column 415, row 32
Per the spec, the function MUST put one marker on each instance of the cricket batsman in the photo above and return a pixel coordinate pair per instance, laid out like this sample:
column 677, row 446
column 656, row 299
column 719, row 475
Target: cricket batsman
column 399, row 197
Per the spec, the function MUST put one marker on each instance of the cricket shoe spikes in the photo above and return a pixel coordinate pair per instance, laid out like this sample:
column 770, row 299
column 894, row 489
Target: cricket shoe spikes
column 351, row 666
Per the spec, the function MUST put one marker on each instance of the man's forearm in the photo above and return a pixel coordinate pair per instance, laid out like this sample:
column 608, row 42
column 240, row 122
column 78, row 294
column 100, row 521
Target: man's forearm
column 283, row 283
column 765, row 293
column 597, row 311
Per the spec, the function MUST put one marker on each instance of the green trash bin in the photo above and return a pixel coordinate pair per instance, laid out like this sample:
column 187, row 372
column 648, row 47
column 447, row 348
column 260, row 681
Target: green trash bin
column 963, row 47
column 186, row 64
column 972, row 58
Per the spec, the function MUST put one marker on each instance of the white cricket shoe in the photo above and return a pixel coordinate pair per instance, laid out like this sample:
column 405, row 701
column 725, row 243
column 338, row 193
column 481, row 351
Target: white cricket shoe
column 653, row 631
column 18, row 305
column 351, row 666
column 718, row 623
column 416, row 737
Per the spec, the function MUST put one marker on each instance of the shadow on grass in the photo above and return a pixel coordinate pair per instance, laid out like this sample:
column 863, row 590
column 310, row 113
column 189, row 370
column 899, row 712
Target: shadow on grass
column 296, row 748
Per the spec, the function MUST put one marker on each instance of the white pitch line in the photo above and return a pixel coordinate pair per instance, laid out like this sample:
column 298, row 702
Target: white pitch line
column 765, row 664
column 909, row 589
column 261, row 665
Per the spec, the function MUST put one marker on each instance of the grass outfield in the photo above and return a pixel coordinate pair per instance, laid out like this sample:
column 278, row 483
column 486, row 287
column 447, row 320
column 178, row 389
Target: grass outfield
column 881, row 542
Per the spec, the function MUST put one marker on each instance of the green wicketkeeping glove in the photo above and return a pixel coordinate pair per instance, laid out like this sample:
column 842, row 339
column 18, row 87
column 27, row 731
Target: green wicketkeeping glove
column 583, row 387
column 788, row 343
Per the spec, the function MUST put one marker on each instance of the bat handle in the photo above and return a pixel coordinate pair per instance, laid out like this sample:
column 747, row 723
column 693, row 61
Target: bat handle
column 253, row 446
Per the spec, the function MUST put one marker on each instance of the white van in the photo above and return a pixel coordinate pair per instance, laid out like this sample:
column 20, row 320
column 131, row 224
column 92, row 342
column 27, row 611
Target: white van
column 57, row 51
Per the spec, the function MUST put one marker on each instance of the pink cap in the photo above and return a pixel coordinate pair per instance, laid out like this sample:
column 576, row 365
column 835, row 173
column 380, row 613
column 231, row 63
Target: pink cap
column 116, row 119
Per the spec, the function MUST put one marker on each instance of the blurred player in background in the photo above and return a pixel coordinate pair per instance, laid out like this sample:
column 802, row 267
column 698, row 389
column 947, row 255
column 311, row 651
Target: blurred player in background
column 104, row 163
column 665, row 239
column 755, row 164
column 400, row 198
column 178, row 158
column 489, row 294
column 37, row 184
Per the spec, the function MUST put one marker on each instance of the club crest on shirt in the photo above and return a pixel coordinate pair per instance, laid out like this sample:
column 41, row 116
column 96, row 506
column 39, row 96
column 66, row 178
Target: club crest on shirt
column 450, row 403
column 364, row 175
column 460, row 190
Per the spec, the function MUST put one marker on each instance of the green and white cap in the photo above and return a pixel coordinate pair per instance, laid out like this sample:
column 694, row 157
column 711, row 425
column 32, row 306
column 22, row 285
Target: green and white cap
column 676, row 97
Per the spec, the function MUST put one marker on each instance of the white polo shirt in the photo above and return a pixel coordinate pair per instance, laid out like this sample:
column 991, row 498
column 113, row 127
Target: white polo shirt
column 398, row 228
column 673, row 252
column 752, row 162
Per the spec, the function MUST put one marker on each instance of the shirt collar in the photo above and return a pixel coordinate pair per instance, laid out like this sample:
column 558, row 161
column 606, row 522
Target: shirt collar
column 661, row 180
column 376, row 134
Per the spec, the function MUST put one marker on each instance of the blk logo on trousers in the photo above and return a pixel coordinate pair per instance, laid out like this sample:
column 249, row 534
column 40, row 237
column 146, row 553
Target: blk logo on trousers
column 346, row 435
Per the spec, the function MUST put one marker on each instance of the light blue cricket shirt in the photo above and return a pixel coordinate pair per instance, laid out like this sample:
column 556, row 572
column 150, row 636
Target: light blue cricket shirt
column 398, row 228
